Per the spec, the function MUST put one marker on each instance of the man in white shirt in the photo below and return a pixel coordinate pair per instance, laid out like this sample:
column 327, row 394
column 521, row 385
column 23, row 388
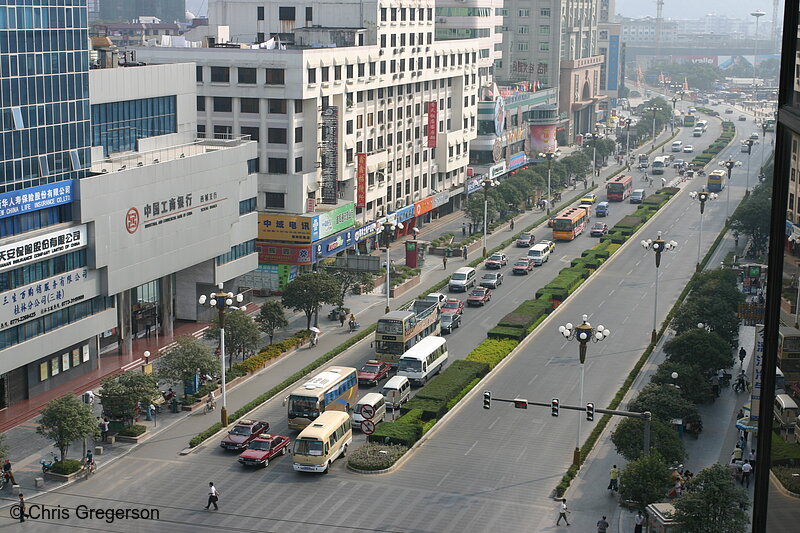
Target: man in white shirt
column 747, row 469
column 213, row 496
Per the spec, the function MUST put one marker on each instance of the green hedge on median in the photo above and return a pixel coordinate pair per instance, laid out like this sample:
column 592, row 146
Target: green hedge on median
column 429, row 409
column 396, row 433
column 492, row 351
column 452, row 380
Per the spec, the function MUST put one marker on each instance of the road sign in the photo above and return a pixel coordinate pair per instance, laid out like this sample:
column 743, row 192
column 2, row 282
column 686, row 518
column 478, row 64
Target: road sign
column 367, row 427
column 367, row 411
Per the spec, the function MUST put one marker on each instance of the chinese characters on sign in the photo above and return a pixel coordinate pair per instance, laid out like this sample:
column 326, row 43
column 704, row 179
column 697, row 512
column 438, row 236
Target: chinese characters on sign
column 169, row 209
column 37, row 299
column 528, row 68
column 37, row 248
column 330, row 159
column 35, row 198
column 432, row 118
column 284, row 228
column 361, row 180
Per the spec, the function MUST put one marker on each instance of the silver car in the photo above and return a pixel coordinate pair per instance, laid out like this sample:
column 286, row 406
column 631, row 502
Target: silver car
column 492, row 280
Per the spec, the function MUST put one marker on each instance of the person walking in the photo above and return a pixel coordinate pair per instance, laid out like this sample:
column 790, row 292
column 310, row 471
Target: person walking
column 8, row 473
column 465, row 253
column 742, row 355
column 736, row 455
column 613, row 481
column 747, row 469
column 602, row 525
column 563, row 510
column 22, row 508
column 342, row 317
column 444, row 261
column 463, row 229
column 638, row 522
column 104, row 429
column 512, row 224
column 470, row 228
column 213, row 496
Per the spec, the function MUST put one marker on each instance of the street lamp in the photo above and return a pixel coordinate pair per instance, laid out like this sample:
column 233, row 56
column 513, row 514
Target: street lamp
column 749, row 143
column 701, row 196
column 222, row 301
column 549, row 156
column 487, row 184
column 628, row 123
column 594, row 136
column 763, row 145
column 672, row 122
column 757, row 15
column 659, row 246
column 388, row 229
column 583, row 333
column 729, row 164
column 654, row 109
column 674, row 376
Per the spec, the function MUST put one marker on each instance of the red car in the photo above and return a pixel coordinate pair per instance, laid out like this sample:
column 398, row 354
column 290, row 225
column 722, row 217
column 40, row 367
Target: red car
column 243, row 433
column 522, row 266
column 598, row 230
column 496, row 261
column 373, row 371
column 263, row 448
column 453, row 306
column 479, row 296
column 525, row 240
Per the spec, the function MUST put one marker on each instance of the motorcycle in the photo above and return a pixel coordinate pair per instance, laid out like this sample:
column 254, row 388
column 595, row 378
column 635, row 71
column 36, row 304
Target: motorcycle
column 47, row 465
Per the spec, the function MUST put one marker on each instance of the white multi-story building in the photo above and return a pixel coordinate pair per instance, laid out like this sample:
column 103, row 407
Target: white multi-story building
column 349, row 102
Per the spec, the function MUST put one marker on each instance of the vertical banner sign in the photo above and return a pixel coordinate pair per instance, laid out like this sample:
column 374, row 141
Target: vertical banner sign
column 432, row 119
column 756, row 371
column 361, row 180
column 330, row 159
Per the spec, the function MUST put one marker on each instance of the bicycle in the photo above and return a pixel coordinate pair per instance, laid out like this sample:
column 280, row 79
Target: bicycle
column 88, row 468
column 210, row 406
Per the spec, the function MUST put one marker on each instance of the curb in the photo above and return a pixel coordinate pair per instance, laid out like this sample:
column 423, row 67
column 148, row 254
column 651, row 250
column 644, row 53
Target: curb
column 776, row 483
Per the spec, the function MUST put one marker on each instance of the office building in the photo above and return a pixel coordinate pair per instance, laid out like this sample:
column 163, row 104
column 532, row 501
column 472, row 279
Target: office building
column 130, row 10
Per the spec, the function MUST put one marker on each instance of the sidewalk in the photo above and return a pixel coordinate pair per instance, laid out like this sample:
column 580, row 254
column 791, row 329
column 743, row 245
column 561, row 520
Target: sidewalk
column 588, row 496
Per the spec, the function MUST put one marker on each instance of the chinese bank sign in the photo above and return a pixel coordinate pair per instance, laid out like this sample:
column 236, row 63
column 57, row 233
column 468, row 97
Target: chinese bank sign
column 305, row 228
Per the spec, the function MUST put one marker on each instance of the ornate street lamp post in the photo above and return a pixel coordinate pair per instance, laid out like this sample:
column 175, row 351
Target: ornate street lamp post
column 701, row 196
column 659, row 246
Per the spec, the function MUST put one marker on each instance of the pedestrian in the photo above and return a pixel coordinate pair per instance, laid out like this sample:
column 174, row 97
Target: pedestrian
column 751, row 456
column 740, row 414
column 602, row 525
column 342, row 317
column 213, row 496
column 613, row 476
column 470, row 228
column 22, row 508
column 742, row 355
column 463, row 229
column 715, row 385
column 747, row 468
column 736, row 455
column 562, row 512
column 663, row 182
column 638, row 522
column 104, row 429
column 444, row 261
column 465, row 253
column 8, row 473
column 512, row 224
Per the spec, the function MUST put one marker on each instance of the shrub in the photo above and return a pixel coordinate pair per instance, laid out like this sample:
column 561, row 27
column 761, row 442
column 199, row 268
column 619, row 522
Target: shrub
column 428, row 408
column 452, row 380
column 627, row 222
column 375, row 456
column 66, row 467
column 492, row 351
column 133, row 431
column 396, row 433
column 506, row 332
column 413, row 416
column 789, row 477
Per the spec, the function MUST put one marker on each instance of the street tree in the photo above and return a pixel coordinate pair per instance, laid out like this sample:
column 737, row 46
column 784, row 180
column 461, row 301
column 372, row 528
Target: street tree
column 645, row 480
column 347, row 280
column 242, row 336
column 716, row 315
column 712, row 503
column 186, row 360
column 751, row 218
column 475, row 206
column 694, row 385
column 704, row 349
column 664, row 401
column 628, row 437
column 120, row 395
column 271, row 317
column 577, row 164
column 307, row 292
column 66, row 420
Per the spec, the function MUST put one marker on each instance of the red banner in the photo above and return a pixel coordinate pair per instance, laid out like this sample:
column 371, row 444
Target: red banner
column 432, row 126
column 361, row 180
column 423, row 206
column 283, row 254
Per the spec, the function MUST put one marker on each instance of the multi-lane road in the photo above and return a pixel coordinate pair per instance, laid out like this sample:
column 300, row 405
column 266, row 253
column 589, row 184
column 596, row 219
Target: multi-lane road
column 478, row 470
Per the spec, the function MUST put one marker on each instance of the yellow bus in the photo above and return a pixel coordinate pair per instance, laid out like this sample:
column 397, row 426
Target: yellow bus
column 570, row 223
column 333, row 389
column 716, row 180
column 325, row 439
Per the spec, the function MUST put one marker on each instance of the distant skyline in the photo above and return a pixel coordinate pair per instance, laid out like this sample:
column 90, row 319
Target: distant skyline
column 692, row 9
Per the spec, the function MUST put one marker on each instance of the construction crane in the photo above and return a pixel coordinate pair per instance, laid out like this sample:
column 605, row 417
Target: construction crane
column 659, row 21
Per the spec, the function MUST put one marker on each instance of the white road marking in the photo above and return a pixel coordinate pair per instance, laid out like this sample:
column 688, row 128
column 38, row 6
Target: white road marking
column 519, row 457
column 534, row 379
column 602, row 303
column 612, row 292
column 496, row 420
column 443, row 478
column 470, row 448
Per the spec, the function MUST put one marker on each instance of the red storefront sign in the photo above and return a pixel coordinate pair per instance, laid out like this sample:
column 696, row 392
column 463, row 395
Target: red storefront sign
column 423, row 206
column 361, row 180
column 283, row 254
column 432, row 124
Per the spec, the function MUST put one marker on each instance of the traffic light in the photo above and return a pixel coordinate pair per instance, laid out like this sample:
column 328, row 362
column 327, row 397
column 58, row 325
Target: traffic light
column 590, row 411
column 554, row 407
column 487, row 400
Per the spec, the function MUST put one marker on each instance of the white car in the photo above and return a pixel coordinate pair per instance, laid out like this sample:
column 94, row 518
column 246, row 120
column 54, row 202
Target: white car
column 692, row 110
column 754, row 136
column 688, row 149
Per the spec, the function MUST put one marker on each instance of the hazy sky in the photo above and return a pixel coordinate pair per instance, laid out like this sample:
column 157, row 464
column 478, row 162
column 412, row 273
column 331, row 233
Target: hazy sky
column 693, row 9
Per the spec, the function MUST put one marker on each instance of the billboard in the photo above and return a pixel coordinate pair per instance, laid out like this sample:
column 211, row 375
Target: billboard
column 305, row 228
column 612, row 63
column 35, row 198
column 361, row 180
column 432, row 126
column 16, row 254
column 330, row 157
column 286, row 254
column 543, row 138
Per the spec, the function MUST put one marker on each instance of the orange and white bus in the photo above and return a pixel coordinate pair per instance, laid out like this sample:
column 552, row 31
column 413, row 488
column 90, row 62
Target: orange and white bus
column 333, row 389
column 570, row 223
column 618, row 188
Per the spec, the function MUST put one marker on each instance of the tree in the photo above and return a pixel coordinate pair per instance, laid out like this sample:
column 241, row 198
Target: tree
column 271, row 317
column 628, row 438
column 645, row 480
column 712, row 503
column 714, row 301
column 188, row 359
column 663, row 401
column 751, row 218
column 475, row 206
column 65, row 420
column 241, row 333
column 120, row 395
column 307, row 292
column 694, row 385
column 349, row 279
column 703, row 349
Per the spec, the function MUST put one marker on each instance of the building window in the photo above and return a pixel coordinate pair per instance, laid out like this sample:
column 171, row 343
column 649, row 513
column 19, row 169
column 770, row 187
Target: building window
column 544, row 46
column 544, row 30
column 275, row 76
column 298, row 134
column 274, row 200
column 247, row 206
column 309, row 14
column 277, row 107
column 260, row 13
column 199, row 73
column 298, row 164
column 43, row 374
column 253, row 165
column 223, row 132
column 260, row 38
column 544, row 12
column 286, row 13
column 222, row 104
column 248, row 105
column 201, row 103
column 312, row 75
column 238, row 251
column 276, row 165
column 116, row 126
column 522, row 47
column 524, row 12
column 326, row 72
column 522, row 29
column 251, row 131
column 220, row 75
column 276, row 135
column 246, row 75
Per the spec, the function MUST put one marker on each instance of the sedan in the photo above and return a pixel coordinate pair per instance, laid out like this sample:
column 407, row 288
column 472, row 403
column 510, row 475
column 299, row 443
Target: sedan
column 754, row 136
column 496, row 261
column 729, row 111
column 263, row 448
column 243, row 433
column 589, row 199
column 450, row 322
column 479, row 296
column 453, row 306
column 373, row 371
column 678, row 163
column 525, row 240
column 492, row 280
column 688, row 149
column 742, row 118
column 598, row 229
column 522, row 266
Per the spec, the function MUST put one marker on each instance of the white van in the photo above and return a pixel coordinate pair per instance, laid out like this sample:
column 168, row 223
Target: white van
column 677, row 146
column 785, row 409
column 423, row 360
column 540, row 253
column 376, row 402
column 637, row 196
column 397, row 391
column 697, row 131
column 463, row 279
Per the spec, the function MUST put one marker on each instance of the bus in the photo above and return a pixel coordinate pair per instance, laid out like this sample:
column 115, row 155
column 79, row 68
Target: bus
column 716, row 180
column 702, row 124
column 659, row 163
column 689, row 120
column 397, row 331
column 333, row 389
column 325, row 439
column 570, row 223
column 424, row 360
column 618, row 188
